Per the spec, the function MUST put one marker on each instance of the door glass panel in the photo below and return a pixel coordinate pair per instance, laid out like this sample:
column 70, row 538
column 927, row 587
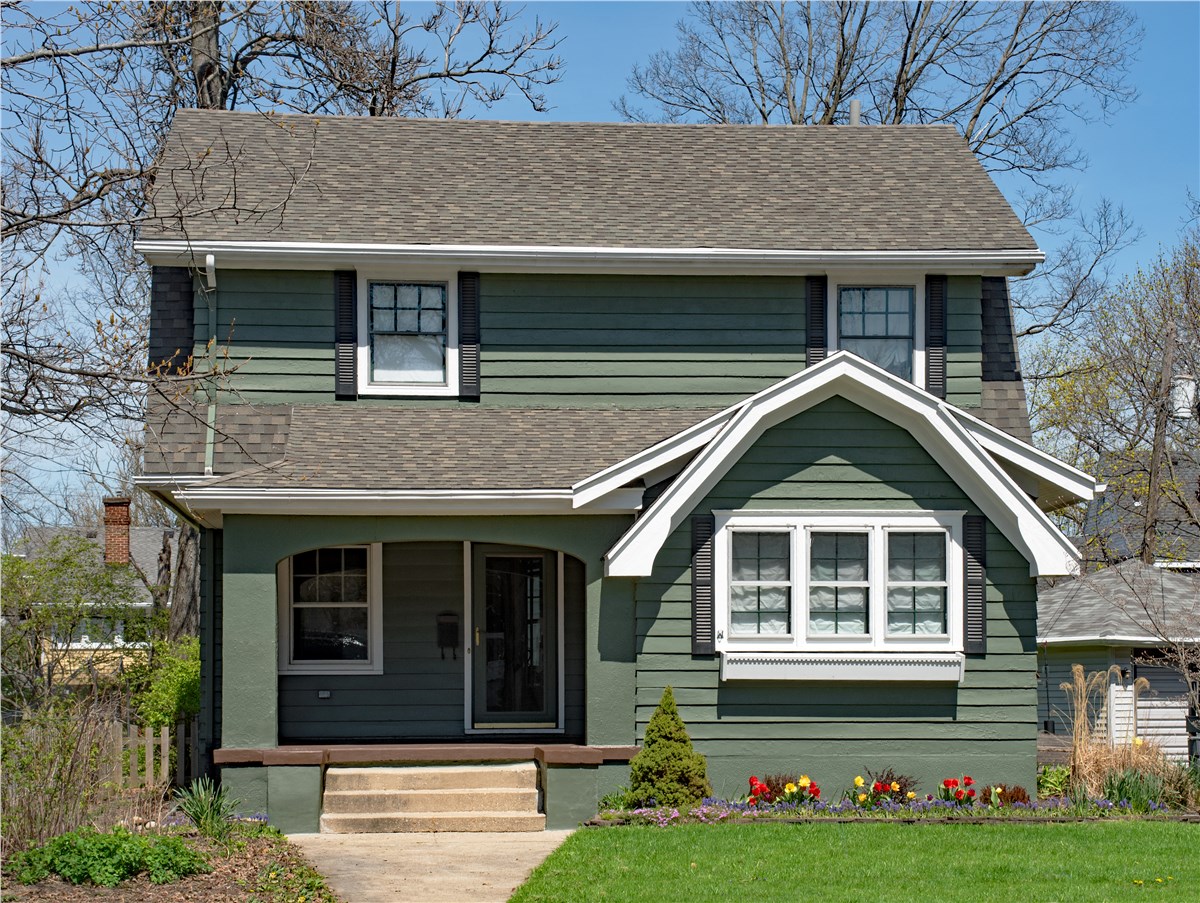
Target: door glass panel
column 515, row 647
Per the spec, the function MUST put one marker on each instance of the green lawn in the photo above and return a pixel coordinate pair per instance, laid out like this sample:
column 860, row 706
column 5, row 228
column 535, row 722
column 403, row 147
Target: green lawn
column 1024, row 863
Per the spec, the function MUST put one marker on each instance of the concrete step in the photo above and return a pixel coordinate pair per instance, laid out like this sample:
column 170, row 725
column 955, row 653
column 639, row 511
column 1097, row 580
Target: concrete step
column 519, row 775
column 405, row 822
column 369, row 802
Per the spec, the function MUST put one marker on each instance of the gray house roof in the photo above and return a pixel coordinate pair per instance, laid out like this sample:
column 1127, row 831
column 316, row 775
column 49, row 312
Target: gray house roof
column 229, row 176
column 145, row 544
column 445, row 448
column 1129, row 601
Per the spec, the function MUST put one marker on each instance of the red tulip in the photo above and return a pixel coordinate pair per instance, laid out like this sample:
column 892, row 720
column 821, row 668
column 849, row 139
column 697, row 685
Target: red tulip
column 958, row 794
column 968, row 780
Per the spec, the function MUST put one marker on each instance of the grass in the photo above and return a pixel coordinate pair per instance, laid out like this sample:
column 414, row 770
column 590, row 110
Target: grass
column 1077, row 862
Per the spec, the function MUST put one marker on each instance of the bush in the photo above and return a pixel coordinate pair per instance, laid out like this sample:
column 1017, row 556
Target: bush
column 667, row 771
column 895, row 786
column 1003, row 797
column 207, row 806
column 171, row 683
column 85, row 855
column 52, row 771
column 1053, row 780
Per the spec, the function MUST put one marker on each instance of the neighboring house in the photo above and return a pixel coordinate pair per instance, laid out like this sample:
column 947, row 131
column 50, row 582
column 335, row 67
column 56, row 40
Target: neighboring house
column 527, row 421
column 1124, row 616
column 101, row 647
column 1115, row 522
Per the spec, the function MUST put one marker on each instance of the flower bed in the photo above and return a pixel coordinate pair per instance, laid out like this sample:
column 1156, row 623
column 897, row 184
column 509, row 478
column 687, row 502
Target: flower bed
column 887, row 797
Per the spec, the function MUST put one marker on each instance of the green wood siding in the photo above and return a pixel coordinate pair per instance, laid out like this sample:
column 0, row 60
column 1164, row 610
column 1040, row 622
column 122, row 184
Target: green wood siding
column 420, row 694
column 563, row 340
column 546, row 340
column 840, row 456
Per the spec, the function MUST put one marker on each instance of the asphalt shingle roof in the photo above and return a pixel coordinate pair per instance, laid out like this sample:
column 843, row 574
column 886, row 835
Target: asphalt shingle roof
column 378, row 447
column 1127, row 600
column 249, row 176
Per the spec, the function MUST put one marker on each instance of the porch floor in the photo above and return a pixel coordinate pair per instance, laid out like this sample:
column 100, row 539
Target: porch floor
column 416, row 753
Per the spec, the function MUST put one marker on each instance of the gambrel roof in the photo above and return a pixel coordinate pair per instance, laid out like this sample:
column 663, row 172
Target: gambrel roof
column 249, row 177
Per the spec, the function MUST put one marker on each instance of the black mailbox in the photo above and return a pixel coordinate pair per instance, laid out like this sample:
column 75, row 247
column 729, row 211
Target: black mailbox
column 448, row 633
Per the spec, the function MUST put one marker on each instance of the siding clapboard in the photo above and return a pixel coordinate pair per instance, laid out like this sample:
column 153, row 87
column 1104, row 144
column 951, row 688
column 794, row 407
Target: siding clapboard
column 839, row 456
column 564, row 340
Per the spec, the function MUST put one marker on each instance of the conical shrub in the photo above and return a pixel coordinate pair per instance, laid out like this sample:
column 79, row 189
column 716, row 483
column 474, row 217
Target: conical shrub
column 667, row 771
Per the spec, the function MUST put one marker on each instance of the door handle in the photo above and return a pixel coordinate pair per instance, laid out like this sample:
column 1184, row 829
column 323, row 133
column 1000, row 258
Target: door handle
column 476, row 636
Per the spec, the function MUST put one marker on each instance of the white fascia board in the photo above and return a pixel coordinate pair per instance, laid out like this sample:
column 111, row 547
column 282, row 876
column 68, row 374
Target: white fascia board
column 1048, row 551
column 521, row 258
column 1045, row 468
column 344, row 502
column 1110, row 640
column 168, row 481
column 656, row 458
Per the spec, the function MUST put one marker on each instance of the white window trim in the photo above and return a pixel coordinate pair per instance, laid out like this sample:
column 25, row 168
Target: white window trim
column 374, row 661
column 803, row 522
column 869, row 278
column 449, row 278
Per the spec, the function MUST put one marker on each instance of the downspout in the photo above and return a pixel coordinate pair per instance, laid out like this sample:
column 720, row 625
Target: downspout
column 210, row 297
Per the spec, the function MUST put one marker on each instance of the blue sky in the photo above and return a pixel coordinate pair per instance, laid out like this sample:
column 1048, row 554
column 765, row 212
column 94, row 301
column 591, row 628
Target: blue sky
column 1145, row 158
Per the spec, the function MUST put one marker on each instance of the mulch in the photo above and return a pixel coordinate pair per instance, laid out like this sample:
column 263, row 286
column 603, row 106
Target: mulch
column 233, row 877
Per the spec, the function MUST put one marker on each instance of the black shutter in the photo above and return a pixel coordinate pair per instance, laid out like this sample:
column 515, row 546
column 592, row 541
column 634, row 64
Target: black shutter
column 816, row 289
column 935, row 335
column 975, row 580
column 703, row 616
column 468, row 335
column 345, row 337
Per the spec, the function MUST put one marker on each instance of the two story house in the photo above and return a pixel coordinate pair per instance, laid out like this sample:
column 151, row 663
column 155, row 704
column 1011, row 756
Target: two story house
column 521, row 423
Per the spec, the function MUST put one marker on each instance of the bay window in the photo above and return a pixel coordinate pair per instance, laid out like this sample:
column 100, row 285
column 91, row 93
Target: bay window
column 812, row 582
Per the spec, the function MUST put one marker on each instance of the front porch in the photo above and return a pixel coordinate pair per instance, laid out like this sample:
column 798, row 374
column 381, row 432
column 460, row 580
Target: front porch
column 289, row 781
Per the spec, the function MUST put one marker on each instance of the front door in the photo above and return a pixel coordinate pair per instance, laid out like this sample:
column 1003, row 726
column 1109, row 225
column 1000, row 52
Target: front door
column 515, row 638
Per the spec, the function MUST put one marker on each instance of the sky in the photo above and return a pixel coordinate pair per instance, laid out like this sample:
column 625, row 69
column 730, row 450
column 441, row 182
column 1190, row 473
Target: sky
column 1145, row 158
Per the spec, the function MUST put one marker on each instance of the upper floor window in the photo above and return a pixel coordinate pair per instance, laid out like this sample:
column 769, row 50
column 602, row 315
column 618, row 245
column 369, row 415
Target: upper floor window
column 407, row 336
column 839, row 582
column 877, row 322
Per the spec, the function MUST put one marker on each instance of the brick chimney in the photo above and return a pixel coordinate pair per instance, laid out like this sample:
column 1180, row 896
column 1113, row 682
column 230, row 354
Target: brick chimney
column 116, row 530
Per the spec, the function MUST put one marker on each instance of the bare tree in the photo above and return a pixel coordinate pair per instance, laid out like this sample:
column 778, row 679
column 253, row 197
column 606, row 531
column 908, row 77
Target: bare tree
column 1117, row 398
column 1011, row 77
column 89, row 92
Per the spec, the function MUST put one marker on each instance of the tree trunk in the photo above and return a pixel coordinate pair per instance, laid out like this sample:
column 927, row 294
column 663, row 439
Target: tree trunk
column 1162, row 414
column 212, row 81
column 185, row 589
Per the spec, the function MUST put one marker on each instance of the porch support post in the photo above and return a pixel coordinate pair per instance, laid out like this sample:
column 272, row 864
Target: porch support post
column 249, row 680
column 611, row 658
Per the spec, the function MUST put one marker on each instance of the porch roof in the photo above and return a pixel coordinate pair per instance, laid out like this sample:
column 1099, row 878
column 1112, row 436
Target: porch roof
column 463, row 448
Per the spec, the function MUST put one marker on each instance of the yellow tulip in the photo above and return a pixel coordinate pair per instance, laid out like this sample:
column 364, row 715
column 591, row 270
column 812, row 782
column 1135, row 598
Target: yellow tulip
column 805, row 781
column 862, row 797
column 895, row 785
column 912, row 795
column 789, row 787
column 858, row 781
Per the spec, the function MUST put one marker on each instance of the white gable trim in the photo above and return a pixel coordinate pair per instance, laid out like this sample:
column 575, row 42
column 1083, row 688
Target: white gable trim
column 1047, row 470
column 930, row 421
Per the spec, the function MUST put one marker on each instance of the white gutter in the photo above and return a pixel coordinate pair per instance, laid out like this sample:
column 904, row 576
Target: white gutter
column 1112, row 640
column 322, row 255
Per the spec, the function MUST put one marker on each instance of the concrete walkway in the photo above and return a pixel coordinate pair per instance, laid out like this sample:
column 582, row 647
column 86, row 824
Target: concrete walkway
column 427, row 868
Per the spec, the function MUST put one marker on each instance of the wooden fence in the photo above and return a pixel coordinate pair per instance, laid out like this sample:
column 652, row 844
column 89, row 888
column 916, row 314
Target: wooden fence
column 138, row 756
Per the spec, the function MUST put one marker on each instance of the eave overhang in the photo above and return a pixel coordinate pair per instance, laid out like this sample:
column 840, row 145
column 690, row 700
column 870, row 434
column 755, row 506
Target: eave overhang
column 207, row 255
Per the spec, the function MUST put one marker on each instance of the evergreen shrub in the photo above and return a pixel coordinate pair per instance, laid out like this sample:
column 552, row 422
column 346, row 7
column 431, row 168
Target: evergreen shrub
column 667, row 771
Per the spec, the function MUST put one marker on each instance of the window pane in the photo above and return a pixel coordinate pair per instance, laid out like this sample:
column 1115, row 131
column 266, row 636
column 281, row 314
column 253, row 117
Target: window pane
column 761, row 556
column 408, row 359
column 759, row 610
column 838, row 556
column 329, row 634
column 917, row 610
column 840, row 610
column 893, row 355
